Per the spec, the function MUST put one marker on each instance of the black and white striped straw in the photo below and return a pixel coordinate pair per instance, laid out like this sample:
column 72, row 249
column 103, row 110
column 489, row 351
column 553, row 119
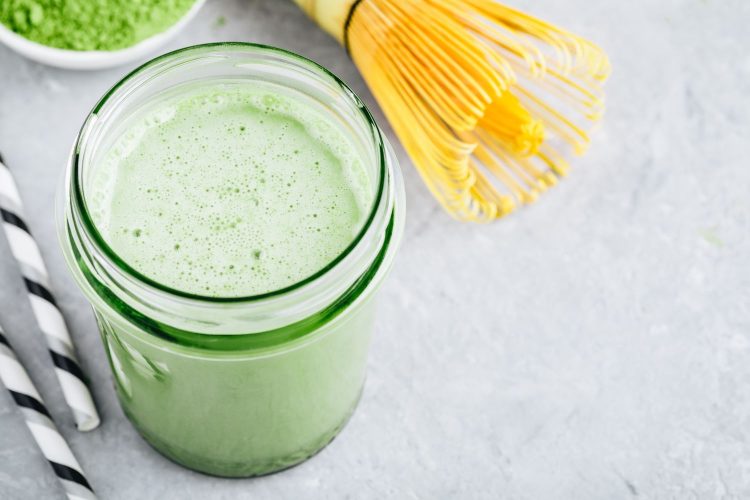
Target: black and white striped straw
column 48, row 316
column 54, row 448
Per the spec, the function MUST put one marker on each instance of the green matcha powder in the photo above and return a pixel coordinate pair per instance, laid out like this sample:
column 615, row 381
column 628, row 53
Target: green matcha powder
column 91, row 24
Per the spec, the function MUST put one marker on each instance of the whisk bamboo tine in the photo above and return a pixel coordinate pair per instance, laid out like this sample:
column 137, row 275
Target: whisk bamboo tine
column 440, row 61
column 485, row 98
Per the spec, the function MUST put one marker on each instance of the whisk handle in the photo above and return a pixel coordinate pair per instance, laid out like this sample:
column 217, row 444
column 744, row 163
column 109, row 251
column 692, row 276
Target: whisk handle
column 331, row 15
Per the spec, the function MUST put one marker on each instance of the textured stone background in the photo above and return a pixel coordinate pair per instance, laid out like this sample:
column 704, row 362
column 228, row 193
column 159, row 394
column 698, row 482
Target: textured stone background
column 593, row 346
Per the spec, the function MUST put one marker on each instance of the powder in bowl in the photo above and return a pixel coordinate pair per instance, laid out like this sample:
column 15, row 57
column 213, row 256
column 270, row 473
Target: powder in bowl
column 84, row 25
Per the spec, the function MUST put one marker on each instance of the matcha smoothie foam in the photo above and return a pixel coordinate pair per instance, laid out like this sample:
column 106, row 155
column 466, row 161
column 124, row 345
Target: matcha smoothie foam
column 231, row 190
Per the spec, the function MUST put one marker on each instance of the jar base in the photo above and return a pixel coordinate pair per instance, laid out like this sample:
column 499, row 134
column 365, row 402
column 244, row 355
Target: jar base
column 242, row 469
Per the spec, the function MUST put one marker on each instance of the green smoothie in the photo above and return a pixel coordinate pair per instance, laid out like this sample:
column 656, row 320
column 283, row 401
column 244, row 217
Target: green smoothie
column 228, row 191
column 230, row 212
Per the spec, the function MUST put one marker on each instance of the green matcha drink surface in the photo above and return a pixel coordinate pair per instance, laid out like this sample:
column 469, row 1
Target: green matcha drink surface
column 230, row 190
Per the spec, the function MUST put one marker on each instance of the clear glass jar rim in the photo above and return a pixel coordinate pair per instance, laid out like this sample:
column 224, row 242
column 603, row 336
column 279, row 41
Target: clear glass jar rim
column 111, row 255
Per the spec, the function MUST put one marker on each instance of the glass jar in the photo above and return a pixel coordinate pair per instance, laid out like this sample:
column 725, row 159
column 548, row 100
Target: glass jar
column 235, row 386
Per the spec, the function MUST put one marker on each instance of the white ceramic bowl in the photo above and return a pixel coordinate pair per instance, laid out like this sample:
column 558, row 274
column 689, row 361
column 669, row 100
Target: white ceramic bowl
column 92, row 59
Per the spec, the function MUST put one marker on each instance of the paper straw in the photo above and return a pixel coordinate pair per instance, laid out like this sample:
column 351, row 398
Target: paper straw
column 38, row 420
column 48, row 316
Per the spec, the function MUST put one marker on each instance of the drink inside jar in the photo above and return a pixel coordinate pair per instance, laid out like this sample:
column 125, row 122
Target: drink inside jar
column 230, row 189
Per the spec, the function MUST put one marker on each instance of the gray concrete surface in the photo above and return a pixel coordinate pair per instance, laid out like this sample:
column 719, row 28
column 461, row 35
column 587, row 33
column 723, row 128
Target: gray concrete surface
column 594, row 346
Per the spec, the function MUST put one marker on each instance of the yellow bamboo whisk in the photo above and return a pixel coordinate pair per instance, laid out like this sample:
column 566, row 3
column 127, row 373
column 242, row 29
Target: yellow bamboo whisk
column 487, row 101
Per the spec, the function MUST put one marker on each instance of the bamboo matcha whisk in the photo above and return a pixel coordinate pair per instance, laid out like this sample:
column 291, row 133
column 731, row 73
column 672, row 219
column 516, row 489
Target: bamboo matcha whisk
column 486, row 100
